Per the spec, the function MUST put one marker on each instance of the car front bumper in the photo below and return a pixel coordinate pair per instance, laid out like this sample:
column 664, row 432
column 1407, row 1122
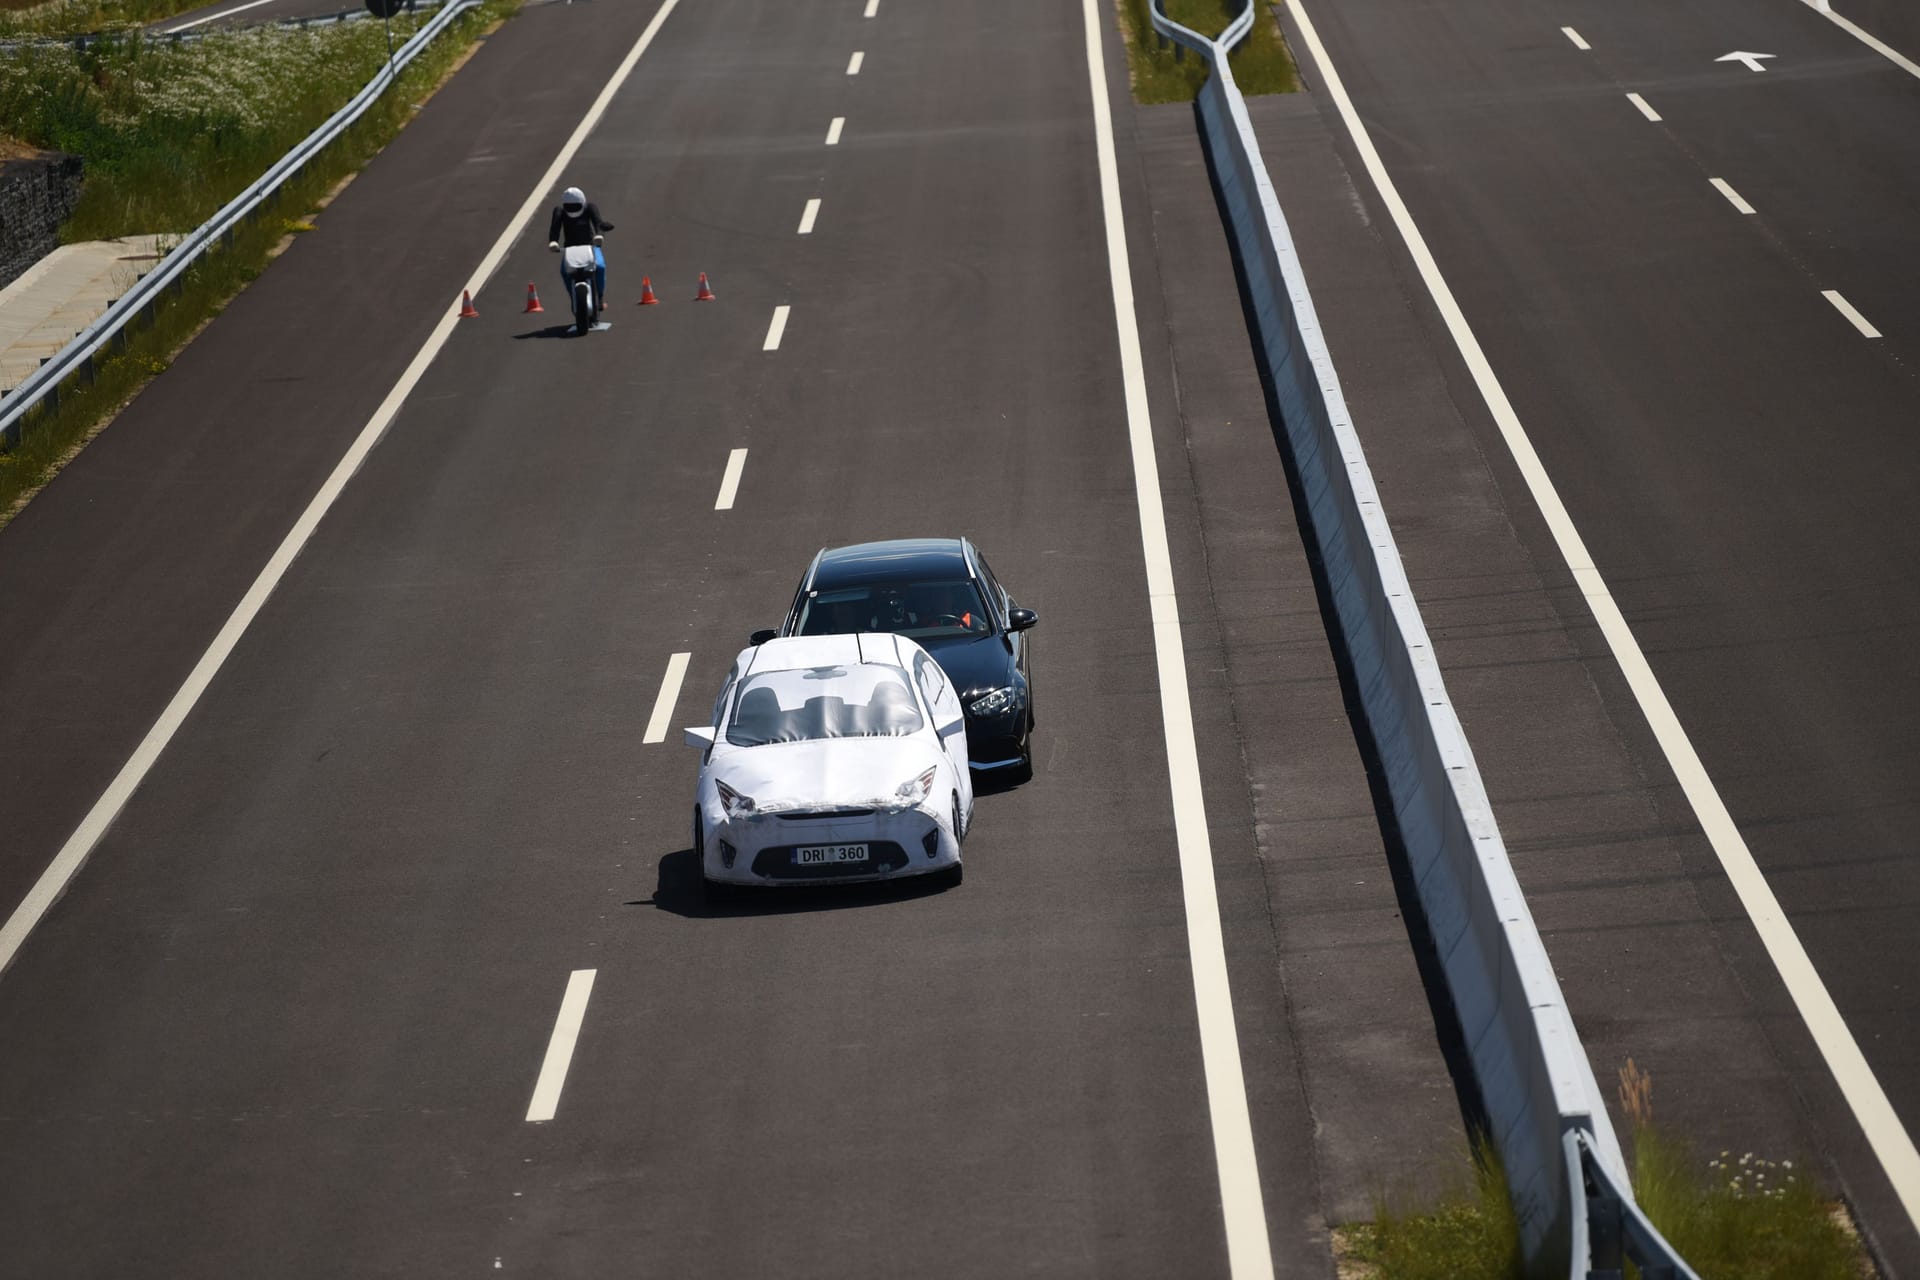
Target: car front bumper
column 901, row 842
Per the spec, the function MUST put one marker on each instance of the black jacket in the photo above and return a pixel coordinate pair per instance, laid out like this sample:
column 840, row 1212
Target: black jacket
column 578, row 229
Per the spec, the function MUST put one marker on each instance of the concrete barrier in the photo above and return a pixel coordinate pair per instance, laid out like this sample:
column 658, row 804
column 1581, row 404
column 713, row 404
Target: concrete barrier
column 1534, row 1079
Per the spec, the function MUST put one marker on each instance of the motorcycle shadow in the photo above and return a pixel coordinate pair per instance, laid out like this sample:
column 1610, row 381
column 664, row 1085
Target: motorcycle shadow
column 556, row 331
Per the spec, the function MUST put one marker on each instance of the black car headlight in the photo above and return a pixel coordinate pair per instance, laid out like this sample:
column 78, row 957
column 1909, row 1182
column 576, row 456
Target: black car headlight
column 994, row 702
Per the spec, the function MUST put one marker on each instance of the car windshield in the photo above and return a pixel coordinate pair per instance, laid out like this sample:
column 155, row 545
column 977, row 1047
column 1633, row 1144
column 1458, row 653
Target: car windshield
column 864, row 700
column 922, row 610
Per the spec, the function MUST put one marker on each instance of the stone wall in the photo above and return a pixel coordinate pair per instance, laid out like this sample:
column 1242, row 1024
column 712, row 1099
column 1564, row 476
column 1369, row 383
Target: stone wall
column 36, row 195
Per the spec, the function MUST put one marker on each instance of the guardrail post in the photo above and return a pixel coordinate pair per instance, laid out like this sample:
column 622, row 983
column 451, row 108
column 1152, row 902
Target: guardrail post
column 1605, row 1233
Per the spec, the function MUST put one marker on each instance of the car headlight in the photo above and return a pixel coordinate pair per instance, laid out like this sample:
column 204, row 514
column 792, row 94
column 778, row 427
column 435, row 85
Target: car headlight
column 914, row 790
column 732, row 801
column 994, row 701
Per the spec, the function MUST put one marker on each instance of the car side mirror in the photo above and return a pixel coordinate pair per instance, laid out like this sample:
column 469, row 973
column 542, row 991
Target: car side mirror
column 952, row 726
column 761, row 636
column 1021, row 619
column 700, row 737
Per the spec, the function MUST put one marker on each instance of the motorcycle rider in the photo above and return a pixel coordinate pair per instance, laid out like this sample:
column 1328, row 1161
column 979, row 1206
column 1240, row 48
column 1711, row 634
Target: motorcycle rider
column 576, row 221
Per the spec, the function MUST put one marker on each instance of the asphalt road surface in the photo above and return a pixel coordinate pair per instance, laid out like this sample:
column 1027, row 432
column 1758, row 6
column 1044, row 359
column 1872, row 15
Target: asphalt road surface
column 1696, row 283
column 304, row 1009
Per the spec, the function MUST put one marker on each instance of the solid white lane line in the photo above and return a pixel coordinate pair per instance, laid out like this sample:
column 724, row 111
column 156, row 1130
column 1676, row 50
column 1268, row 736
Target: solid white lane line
column 214, row 17
column 777, row 327
column 668, row 697
column 807, row 216
column 873, row 7
column 730, row 482
column 853, row 63
column 1574, row 36
column 1865, row 37
column 1845, row 308
column 1645, row 110
column 1241, row 1204
column 1889, row 1139
column 566, row 1032
column 833, row 130
column 54, row 880
column 1733, row 197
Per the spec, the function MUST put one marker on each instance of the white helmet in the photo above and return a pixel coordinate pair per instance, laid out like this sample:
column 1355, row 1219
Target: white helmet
column 573, row 201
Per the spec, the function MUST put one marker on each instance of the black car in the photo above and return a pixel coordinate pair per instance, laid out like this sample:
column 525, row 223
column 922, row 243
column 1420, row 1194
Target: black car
column 940, row 593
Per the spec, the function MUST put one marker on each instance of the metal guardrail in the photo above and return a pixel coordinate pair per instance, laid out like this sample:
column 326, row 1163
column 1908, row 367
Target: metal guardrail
column 1543, row 1107
column 1608, row 1226
column 75, row 361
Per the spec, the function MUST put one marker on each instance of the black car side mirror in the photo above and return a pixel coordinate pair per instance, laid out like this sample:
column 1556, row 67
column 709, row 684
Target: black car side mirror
column 1021, row 619
column 761, row 636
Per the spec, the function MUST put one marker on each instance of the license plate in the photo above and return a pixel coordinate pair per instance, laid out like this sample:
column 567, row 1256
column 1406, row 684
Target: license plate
column 813, row 855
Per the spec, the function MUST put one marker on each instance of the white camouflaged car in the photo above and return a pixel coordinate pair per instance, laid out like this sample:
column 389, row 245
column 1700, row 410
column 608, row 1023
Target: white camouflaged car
column 832, row 759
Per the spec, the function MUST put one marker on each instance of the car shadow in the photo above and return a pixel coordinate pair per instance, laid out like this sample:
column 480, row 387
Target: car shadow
column 677, row 889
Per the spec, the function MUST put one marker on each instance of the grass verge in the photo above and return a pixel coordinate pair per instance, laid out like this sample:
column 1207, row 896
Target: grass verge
column 52, row 435
column 172, row 131
column 1743, row 1216
column 1261, row 63
column 56, row 18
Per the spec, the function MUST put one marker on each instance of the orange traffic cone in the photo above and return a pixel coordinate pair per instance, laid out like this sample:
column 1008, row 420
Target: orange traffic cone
column 467, row 311
column 533, row 300
column 706, row 290
column 646, row 293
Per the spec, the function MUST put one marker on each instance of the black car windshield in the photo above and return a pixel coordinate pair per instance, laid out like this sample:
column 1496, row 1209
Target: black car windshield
column 864, row 700
column 921, row 610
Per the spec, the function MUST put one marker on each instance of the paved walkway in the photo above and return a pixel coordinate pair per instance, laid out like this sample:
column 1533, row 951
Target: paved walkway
column 62, row 294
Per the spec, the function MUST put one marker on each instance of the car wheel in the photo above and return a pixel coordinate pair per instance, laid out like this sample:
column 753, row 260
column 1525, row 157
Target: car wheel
column 959, row 832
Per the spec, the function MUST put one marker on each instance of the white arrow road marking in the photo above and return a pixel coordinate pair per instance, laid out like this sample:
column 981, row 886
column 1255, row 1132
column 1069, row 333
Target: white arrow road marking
column 1845, row 308
column 566, row 1032
column 1751, row 59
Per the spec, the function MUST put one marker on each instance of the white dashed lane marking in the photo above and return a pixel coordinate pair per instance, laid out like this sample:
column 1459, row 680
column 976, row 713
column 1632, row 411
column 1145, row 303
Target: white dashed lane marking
column 1574, row 36
column 669, row 696
column 1845, row 308
column 566, row 1032
column 833, row 130
column 1645, row 110
column 807, row 216
column 776, row 328
column 730, row 482
column 1733, row 197
column 853, row 63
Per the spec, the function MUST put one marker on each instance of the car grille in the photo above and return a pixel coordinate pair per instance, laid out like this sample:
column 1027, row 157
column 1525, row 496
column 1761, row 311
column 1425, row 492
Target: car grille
column 776, row 863
column 810, row 815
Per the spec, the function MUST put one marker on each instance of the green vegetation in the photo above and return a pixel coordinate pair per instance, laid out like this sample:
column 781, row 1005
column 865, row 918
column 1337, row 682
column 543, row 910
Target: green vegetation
column 83, row 17
column 132, row 91
column 170, row 132
column 1739, row 1216
column 1261, row 62
column 1470, row 1235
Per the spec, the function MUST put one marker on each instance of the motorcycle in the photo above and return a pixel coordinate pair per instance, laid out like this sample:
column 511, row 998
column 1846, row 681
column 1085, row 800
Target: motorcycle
column 581, row 268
